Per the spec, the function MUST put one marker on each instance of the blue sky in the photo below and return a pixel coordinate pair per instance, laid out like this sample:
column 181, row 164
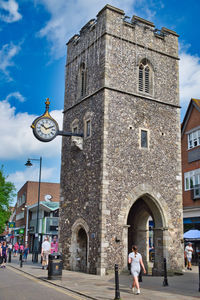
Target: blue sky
column 33, row 36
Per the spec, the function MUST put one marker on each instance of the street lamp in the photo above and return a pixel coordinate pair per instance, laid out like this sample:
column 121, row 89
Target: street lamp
column 36, row 241
column 26, row 223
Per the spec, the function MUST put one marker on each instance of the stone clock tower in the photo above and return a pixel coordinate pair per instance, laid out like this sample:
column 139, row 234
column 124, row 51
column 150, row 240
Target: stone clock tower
column 121, row 185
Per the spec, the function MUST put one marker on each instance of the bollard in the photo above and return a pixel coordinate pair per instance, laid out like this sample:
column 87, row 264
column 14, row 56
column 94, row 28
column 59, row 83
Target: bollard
column 9, row 256
column 165, row 281
column 21, row 260
column 199, row 273
column 117, row 292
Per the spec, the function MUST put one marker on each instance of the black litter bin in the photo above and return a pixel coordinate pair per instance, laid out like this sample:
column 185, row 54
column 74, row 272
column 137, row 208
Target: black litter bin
column 55, row 266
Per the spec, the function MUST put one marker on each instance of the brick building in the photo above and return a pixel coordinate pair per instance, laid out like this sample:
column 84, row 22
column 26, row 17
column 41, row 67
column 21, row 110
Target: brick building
column 191, row 166
column 122, row 93
column 26, row 209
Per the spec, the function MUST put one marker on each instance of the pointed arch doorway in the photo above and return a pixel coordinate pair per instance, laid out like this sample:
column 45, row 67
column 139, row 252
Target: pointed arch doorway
column 143, row 235
column 79, row 249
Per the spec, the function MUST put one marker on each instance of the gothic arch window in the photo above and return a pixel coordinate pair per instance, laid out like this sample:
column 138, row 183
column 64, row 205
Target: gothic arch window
column 145, row 77
column 82, row 82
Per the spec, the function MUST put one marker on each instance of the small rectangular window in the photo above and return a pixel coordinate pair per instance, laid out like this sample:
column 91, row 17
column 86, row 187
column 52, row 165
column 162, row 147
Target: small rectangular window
column 197, row 192
column 194, row 139
column 88, row 128
column 144, row 139
column 187, row 185
column 191, row 182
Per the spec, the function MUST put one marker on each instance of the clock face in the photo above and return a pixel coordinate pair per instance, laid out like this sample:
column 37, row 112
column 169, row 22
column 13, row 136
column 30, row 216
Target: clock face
column 45, row 129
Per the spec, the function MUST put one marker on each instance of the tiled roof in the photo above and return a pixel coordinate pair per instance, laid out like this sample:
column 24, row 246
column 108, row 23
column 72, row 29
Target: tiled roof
column 193, row 103
column 196, row 101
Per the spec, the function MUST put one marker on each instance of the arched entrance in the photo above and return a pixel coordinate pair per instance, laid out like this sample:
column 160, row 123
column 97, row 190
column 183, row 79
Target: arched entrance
column 79, row 248
column 141, row 233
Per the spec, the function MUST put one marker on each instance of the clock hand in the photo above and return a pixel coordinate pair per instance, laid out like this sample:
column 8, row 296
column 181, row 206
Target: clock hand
column 50, row 127
column 43, row 126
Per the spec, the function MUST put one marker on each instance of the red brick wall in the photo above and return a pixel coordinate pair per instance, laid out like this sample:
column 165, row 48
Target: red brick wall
column 194, row 121
column 52, row 189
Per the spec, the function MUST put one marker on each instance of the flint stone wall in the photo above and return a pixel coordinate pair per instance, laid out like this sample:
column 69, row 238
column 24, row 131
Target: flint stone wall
column 99, row 184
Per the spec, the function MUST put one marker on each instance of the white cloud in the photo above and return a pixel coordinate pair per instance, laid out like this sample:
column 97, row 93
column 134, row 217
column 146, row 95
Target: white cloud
column 7, row 53
column 16, row 136
column 67, row 17
column 189, row 77
column 10, row 11
column 17, row 96
column 30, row 174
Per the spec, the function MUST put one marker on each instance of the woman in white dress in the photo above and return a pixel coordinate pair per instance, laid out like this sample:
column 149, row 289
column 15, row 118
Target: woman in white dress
column 135, row 259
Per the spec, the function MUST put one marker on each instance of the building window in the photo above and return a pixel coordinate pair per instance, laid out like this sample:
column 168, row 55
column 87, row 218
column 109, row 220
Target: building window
column 23, row 198
column 20, row 216
column 145, row 77
column 82, row 80
column 141, row 67
column 194, row 139
column 192, row 179
column 75, row 126
column 88, row 128
column 75, row 129
column 87, row 121
column 144, row 139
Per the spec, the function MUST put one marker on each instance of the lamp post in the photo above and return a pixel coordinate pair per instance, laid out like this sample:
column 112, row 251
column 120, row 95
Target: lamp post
column 26, row 223
column 36, row 239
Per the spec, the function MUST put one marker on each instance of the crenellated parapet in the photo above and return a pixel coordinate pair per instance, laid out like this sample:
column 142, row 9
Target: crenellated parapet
column 113, row 21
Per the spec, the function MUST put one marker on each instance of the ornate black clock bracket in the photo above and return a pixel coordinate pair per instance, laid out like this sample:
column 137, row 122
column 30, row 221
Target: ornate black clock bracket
column 44, row 134
column 76, row 138
column 65, row 133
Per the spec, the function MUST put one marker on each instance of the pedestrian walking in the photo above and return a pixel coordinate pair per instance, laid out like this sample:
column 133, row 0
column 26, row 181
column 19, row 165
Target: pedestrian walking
column 16, row 248
column 1, row 253
column 21, row 248
column 188, row 251
column 46, row 250
column 135, row 259
column 54, row 245
column 26, row 252
column 4, row 252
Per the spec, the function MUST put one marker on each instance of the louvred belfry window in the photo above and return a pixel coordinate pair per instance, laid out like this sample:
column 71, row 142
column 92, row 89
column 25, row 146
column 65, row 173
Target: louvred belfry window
column 145, row 77
column 141, row 78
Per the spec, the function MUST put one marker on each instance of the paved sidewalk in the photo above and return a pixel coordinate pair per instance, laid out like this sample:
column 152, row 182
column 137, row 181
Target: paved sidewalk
column 182, row 287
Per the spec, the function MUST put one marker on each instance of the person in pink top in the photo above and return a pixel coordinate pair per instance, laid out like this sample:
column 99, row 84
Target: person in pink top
column 54, row 245
column 21, row 248
column 16, row 248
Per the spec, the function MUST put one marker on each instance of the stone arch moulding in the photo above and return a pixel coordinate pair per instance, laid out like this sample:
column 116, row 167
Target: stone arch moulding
column 148, row 60
column 78, row 224
column 148, row 190
column 159, row 204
